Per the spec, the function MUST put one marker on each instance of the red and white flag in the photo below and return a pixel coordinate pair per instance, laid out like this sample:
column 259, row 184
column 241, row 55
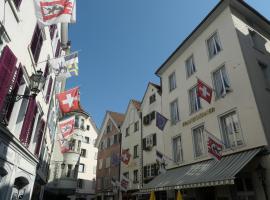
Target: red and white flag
column 214, row 146
column 124, row 183
column 69, row 100
column 64, row 143
column 125, row 156
column 67, row 126
column 50, row 12
column 204, row 91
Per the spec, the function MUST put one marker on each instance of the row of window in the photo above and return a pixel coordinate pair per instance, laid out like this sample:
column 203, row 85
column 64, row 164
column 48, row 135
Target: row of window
column 109, row 141
column 231, row 137
column 135, row 128
column 213, row 46
column 221, row 87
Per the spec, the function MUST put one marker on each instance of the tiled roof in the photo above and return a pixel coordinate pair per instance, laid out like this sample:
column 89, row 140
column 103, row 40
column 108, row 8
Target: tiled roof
column 117, row 117
column 137, row 104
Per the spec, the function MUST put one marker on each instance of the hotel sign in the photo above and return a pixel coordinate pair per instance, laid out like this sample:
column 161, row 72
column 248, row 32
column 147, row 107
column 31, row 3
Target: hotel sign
column 199, row 116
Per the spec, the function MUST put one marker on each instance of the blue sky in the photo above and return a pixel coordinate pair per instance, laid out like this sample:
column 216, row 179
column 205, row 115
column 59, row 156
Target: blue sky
column 123, row 42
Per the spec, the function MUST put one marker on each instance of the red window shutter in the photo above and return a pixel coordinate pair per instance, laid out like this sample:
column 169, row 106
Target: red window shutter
column 7, row 68
column 40, row 136
column 17, row 3
column 53, row 27
column 29, row 120
column 58, row 48
column 48, row 95
column 36, row 43
column 15, row 88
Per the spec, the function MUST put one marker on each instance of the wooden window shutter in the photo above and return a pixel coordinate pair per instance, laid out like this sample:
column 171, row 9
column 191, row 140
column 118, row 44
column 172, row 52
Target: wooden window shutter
column 29, row 119
column 154, row 139
column 36, row 43
column 144, row 143
column 40, row 136
column 7, row 69
column 15, row 88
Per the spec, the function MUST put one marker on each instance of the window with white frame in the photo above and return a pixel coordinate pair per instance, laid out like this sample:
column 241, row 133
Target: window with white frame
column 190, row 66
column 214, row 45
column 177, row 149
column 231, row 133
column 174, row 112
column 221, row 82
column 194, row 100
column 266, row 73
column 172, row 81
column 81, row 168
column 199, row 141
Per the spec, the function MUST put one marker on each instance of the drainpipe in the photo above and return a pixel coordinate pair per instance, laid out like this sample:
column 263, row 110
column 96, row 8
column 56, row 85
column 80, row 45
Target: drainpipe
column 141, row 160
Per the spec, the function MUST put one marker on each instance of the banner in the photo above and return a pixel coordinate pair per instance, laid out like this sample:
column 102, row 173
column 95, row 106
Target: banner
column 50, row 12
column 67, row 126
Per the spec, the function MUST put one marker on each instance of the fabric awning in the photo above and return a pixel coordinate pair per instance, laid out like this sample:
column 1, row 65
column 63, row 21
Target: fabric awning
column 202, row 174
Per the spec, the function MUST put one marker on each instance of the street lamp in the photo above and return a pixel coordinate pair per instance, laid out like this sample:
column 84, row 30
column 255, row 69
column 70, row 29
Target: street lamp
column 37, row 81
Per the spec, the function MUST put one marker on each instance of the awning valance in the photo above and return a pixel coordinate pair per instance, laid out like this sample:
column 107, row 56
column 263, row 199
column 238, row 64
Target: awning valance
column 202, row 174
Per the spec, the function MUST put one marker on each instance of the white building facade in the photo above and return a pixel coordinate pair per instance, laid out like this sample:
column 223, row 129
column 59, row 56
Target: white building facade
column 73, row 174
column 24, row 49
column 228, row 51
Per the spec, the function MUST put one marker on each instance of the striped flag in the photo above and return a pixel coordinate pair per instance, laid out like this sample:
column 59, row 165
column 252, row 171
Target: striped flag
column 50, row 12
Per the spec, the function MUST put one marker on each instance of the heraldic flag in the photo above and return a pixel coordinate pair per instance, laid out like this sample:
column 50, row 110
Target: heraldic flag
column 67, row 126
column 204, row 91
column 66, row 66
column 69, row 100
column 214, row 146
column 50, row 12
column 64, row 143
column 125, row 156
column 161, row 121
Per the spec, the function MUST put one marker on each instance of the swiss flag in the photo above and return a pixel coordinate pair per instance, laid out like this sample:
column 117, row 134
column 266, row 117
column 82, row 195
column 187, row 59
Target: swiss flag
column 125, row 156
column 69, row 100
column 214, row 147
column 204, row 91
column 67, row 126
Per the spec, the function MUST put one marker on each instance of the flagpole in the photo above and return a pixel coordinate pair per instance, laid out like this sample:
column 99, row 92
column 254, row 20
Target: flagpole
column 56, row 57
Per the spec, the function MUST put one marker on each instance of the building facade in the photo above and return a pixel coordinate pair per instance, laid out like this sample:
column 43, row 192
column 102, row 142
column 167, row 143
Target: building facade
column 228, row 51
column 25, row 137
column 131, row 143
column 108, row 160
column 72, row 173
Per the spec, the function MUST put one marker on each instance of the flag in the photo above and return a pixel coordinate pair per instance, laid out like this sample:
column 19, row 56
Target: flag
column 161, row 121
column 124, row 183
column 64, row 143
column 152, row 196
column 125, row 156
column 204, row 91
column 69, row 100
column 214, row 146
column 161, row 160
column 115, row 159
column 179, row 196
column 67, row 126
column 66, row 66
column 50, row 12
column 71, row 61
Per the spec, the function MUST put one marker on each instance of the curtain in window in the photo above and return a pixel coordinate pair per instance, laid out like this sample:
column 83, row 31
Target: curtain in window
column 198, row 141
column 218, row 84
column 225, row 79
column 217, row 44
column 211, row 47
column 29, row 119
column 174, row 112
column 7, row 69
